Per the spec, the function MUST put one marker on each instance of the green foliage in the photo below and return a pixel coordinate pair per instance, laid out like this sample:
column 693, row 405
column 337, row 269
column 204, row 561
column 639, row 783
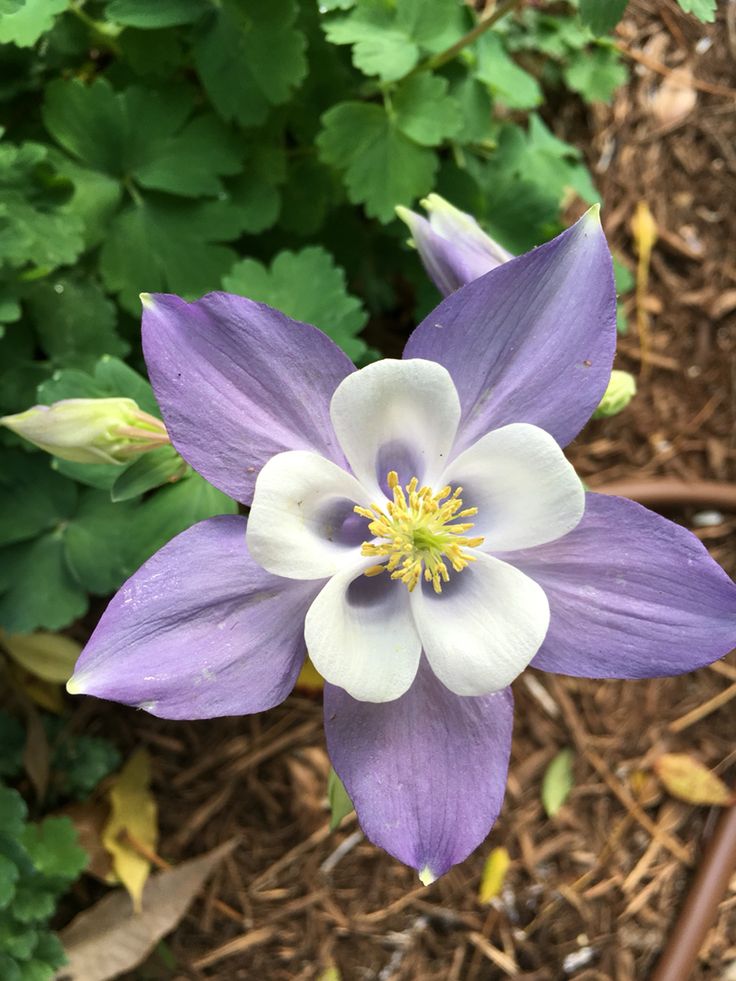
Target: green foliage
column 187, row 146
column 601, row 16
column 338, row 799
column 38, row 862
column 704, row 10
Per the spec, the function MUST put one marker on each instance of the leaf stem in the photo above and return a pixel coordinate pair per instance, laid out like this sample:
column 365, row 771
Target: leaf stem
column 437, row 60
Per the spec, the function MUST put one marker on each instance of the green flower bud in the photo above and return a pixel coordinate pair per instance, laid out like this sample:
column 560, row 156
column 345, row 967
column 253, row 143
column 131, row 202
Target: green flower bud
column 90, row 430
column 621, row 390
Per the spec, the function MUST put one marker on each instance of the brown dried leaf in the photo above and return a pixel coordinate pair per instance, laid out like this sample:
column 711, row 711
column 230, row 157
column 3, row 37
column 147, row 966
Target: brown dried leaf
column 687, row 779
column 110, row 939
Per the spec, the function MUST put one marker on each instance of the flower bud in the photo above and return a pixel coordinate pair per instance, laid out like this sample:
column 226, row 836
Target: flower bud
column 90, row 430
column 453, row 247
column 621, row 390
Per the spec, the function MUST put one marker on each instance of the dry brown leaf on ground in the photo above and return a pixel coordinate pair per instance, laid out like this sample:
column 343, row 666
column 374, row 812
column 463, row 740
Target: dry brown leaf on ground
column 110, row 938
column 48, row 656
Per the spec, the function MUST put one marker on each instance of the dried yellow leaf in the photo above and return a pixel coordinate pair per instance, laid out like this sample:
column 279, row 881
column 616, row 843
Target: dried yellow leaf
column 494, row 873
column 687, row 779
column 310, row 680
column 49, row 656
column 132, row 829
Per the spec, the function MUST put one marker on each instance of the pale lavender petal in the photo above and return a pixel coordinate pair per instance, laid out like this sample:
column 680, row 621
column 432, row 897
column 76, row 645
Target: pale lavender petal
column 452, row 256
column 199, row 631
column 238, row 382
column 632, row 595
column 531, row 341
column 426, row 772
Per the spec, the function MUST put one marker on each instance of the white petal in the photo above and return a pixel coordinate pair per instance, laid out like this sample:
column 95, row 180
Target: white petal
column 302, row 524
column 396, row 415
column 361, row 637
column 525, row 490
column 484, row 628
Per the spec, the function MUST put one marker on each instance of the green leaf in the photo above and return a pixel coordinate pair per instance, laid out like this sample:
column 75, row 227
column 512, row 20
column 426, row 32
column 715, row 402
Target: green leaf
column 13, row 812
column 95, row 199
column 161, row 13
column 40, row 591
column 54, row 849
column 601, row 16
column 33, row 499
column 307, row 286
column 254, row 193
column 160, row 245
column 557, row 782
column 595, row 74
column 306, row 196
column 78, row 763
column 508, row 82
column 553, row 164
column 12, row 744
column 425, row 112
column 191, row 162
column 704, row 10
column 475, row 110
column 149, row 471
column 382, row 166
column 75, row 321
column 111, row 377
column 623, row 276
column 388, row 38
column 142, row 133
column 97, row 542
column 340, row 803
column 32, row 227
column 250, row 57
column 25, row 24
column 9, row 875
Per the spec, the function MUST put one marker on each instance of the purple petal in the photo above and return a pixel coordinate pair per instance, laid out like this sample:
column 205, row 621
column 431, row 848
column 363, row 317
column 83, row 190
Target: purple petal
column 199, row 631
column 632, row 595
column 238, row 382
column 455, row 257
column 531, row 341
column 426, row 772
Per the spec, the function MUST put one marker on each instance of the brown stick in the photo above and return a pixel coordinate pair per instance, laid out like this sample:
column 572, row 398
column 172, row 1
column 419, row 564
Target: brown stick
column 709, row 886
column 668, row 491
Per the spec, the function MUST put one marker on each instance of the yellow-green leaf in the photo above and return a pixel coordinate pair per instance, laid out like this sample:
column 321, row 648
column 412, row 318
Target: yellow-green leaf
column 49, row 656
column 310, row 681
column 557, row 782
column 494, row 873
column 687, row 779
column 132, row 822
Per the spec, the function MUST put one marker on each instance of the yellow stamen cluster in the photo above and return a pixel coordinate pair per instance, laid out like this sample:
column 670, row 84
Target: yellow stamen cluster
column 418, row 533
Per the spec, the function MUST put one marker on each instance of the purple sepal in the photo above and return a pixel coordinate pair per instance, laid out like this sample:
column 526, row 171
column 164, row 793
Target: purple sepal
column 632, row 595
column 463, row 253
column 426, row 772
column 531, row 341
column 199, row 631
column 238, row 382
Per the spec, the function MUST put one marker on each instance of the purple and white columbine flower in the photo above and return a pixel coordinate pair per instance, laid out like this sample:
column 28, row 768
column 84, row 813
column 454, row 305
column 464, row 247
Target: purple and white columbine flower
column 418, row 601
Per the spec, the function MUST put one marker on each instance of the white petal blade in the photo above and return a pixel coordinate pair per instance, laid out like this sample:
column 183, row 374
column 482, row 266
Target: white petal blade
column 525, row 490
column 302, row 524
column 484, row 628
column 361, row 637
column 396, row 415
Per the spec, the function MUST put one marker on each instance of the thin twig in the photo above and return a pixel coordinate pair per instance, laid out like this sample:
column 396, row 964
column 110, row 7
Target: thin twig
column 437, row 60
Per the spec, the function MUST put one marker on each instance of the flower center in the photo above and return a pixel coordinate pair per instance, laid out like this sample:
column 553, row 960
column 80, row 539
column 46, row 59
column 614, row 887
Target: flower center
column 419, row 533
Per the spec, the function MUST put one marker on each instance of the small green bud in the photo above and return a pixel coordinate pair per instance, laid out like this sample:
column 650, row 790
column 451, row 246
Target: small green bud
column 621, row 390
column 90, row 430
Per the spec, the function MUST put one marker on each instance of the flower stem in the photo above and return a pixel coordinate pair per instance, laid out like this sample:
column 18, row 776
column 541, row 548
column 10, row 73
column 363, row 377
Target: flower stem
column 437, row 60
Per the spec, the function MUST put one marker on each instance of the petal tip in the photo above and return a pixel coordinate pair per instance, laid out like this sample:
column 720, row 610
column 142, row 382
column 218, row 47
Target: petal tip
column 593, row 214
column 427, row 876
column 147, row 301
column 74, row 686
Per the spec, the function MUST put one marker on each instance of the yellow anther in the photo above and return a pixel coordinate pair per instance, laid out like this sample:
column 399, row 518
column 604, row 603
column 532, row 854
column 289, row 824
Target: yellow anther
column 416, row 533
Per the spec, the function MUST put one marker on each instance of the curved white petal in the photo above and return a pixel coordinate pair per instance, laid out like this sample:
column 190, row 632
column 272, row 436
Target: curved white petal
column 361, row 636
column 302, row 524
column 396, row 415
column 484, row 628
column 525, row 490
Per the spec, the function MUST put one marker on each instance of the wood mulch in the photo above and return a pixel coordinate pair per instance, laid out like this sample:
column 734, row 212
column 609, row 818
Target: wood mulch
column 592, row 893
